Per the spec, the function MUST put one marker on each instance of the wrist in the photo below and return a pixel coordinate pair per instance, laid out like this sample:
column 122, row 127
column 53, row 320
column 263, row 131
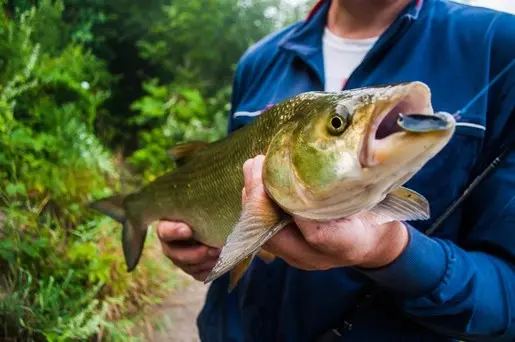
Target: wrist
column 391, row 243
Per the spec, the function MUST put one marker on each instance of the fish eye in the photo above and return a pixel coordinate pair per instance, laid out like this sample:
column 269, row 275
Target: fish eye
column 337, row 124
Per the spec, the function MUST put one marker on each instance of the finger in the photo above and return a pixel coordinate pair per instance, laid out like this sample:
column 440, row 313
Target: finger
column 200, row 268
column 252, row 173
column 171, row 231
column 190, row 255
column 200, row 276
column 289, row 245
column 247, row 174
column 347, row 239
column 243, row 196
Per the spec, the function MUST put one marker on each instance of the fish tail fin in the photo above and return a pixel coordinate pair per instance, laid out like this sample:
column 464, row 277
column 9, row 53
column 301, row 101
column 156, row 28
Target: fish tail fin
column 133, row 240
column 254, row 228
column 112, row 207
column 133, row 233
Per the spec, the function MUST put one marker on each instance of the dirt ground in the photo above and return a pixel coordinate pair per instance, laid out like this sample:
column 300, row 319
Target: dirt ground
column 179, row 313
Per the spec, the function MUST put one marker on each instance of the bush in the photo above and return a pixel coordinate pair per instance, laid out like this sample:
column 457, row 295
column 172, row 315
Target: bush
column 138, row 76
column 64, row 276
column 176, row 115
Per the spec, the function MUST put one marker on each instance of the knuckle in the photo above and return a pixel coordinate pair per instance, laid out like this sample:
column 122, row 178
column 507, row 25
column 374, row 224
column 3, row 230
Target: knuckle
column 317, row 239
column 172, row 253
column 200, row 255
column 166, row 250
column 165, row 225
column 199, row 277
column 179, row 257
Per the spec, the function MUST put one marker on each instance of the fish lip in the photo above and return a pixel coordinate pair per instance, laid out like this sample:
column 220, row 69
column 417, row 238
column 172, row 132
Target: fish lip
column 407, row 94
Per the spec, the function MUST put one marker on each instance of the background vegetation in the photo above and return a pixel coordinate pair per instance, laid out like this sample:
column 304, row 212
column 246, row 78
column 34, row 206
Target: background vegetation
column 92, row 94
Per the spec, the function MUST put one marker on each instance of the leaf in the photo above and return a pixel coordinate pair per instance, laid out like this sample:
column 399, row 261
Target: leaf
column 21, row 137
column 13, row 189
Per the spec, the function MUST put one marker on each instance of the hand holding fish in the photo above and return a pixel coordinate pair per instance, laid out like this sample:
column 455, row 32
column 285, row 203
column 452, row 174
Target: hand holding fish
column 310, row 245
column 192, row 257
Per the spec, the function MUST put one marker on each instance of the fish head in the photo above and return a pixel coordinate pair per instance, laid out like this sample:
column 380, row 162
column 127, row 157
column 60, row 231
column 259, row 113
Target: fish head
column 343, row 152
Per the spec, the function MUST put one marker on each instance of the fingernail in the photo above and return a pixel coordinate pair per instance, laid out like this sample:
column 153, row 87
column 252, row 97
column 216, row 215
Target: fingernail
column 182, row 231
column 213, row 252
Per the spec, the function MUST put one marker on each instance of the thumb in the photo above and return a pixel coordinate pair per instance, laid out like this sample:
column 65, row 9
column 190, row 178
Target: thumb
column 252, row 174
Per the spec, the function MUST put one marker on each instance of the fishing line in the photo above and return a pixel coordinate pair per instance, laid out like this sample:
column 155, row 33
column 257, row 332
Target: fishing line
column 488, row 170
column 488, row 86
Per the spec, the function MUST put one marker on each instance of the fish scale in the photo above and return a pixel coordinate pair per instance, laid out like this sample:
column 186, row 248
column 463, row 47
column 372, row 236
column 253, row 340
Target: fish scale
column 215, row 170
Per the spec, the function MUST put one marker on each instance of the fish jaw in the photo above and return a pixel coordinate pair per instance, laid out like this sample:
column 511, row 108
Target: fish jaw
column 410, row 98
column 324, row 180
column 387, row 146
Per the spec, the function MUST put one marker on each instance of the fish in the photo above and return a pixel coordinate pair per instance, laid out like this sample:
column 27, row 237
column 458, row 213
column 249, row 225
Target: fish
column 327, row 155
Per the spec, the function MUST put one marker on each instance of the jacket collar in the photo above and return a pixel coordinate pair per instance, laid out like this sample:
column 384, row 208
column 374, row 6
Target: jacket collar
column 306, row 39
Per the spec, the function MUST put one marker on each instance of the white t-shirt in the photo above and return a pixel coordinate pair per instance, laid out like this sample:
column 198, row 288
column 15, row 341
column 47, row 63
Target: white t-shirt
column 341, row 57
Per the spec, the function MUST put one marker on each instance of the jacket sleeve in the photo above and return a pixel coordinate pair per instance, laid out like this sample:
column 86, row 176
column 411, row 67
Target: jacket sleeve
column 467, row 291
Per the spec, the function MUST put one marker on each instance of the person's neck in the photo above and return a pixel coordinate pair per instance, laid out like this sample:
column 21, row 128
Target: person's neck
column 360, row 19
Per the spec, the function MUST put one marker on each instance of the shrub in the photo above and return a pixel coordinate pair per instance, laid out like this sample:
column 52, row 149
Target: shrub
column 63, row 274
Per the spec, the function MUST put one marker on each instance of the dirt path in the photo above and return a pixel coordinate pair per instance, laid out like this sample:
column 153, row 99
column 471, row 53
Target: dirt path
column 179, row 313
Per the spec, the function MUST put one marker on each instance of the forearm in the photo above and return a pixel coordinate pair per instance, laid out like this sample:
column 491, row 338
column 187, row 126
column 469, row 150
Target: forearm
column 450, row 289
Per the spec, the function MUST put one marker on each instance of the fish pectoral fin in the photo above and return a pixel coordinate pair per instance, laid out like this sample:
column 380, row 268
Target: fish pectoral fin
column 402, row 204
column 266, row 256
column 255, row 227
column 180, row 153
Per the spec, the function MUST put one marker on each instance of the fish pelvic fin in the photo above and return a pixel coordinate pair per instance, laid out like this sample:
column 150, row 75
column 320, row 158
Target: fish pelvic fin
column 255, row 227
column 238, row 271
column 266, row 256
column 133, row 233
column 402, row 204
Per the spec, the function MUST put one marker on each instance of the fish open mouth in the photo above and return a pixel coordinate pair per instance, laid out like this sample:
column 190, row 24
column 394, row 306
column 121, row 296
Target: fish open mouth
column 415, row 100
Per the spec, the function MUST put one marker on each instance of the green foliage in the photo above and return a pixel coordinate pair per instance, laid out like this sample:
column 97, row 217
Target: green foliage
column 58, row 286
column 194, row 44
column 177, row 114
column 49, row 105
column 197, row 42
column 67, row 286
column 78, row 77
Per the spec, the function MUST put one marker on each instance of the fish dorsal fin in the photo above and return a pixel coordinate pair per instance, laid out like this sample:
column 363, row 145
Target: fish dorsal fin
column 402, row 204
column 180, row 153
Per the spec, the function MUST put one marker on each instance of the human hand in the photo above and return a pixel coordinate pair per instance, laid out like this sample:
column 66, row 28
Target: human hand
column 311, row 245
column 189, row 255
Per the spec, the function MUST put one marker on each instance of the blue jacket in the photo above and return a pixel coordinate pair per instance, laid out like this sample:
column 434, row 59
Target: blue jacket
column 460, row 282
